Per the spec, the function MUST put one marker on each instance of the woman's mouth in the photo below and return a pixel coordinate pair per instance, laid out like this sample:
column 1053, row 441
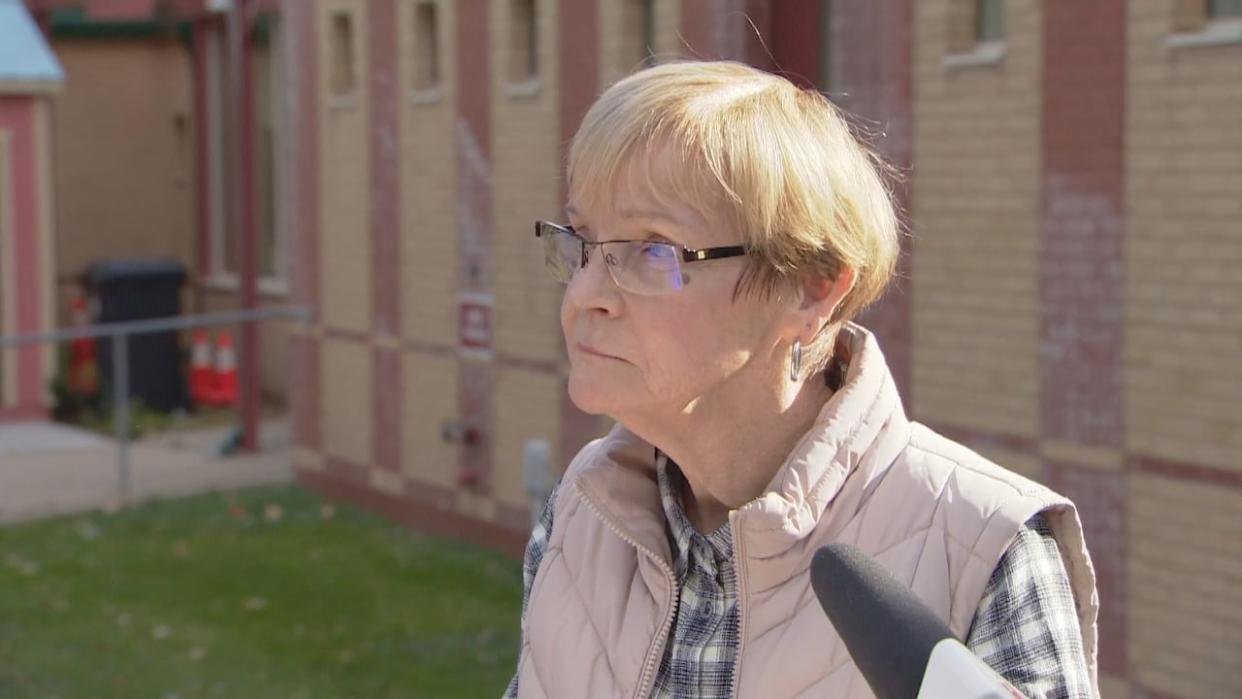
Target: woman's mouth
column 593, row 352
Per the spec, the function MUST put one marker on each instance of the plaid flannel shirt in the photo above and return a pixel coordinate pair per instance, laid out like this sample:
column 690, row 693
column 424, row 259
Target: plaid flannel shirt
column 1026, row 626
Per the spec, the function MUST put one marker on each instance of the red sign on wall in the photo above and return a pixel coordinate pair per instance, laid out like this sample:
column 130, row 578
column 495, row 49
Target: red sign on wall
column 474, row 322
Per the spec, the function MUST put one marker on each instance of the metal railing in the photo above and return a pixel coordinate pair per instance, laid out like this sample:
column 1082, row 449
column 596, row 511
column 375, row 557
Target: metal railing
column 119, row 333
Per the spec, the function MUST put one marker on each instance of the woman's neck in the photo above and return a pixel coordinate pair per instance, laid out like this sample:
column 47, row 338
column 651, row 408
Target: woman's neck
column 730, row 447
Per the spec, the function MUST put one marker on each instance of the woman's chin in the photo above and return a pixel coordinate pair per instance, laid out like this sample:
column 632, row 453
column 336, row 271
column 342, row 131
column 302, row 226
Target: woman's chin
column 594, row 396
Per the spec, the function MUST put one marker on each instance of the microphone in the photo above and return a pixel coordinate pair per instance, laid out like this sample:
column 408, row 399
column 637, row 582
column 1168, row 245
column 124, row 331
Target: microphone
column 901, row 647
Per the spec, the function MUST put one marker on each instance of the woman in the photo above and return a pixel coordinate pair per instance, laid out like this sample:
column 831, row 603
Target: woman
column 724, row 228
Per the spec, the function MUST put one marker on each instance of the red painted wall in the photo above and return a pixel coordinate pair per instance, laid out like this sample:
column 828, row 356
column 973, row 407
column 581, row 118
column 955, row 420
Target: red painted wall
column 1082, row 294
column 17, row 116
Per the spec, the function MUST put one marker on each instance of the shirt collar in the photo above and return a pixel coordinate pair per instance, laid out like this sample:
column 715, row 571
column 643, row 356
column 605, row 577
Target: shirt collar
column 689, row 546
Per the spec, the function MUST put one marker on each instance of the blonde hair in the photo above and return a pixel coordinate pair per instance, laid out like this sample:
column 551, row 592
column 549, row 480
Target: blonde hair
column 779, row 162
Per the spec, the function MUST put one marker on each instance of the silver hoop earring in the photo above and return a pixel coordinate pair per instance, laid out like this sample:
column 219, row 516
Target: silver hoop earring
column 795, row 360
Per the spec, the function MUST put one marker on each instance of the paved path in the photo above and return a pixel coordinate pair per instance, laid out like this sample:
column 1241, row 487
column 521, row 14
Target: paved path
column 48, row 468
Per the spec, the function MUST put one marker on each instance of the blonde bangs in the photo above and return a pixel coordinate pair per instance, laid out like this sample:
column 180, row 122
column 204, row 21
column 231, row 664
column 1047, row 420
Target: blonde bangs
column 649, row 155
column 774, row 164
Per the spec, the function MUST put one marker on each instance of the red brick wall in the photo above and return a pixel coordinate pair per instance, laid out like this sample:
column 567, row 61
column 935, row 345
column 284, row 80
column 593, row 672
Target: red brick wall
column 304, row 346
column 579, row 25
column 385, row 192
column 1081, row 284
column 871, row 78
column 475, row 380
column 794, row 37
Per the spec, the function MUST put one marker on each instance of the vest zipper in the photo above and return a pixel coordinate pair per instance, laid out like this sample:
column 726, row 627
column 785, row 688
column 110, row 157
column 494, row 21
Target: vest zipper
column 646, row 680
column 739, row 561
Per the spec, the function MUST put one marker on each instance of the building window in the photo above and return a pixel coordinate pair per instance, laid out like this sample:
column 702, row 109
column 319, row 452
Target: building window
column 269, row 80
column 225, row 233
column 976, row 33
column 1224, row 8
column 1199, row 23
column 343, row 59
column 523, row 41
column 426, row 46
column 989, row 20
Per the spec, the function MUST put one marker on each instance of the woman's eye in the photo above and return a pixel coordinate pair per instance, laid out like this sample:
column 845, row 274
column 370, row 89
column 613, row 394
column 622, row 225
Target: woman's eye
column 657, row 251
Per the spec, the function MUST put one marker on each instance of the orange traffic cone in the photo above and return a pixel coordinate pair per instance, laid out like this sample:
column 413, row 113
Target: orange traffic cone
column 202, row 376
column 226, row 371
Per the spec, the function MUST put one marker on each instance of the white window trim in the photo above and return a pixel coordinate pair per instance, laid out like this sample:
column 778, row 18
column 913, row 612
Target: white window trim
column 985, row 53
column 268, row 286
column 1215, row 32
column 427, row 95
column 527, row 88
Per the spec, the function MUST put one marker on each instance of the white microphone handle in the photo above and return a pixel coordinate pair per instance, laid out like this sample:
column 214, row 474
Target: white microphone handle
column 953, row 672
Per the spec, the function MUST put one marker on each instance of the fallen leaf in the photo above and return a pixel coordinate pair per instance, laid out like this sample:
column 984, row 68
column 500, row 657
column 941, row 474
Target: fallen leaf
column 197, row 653
column 273, row 512
column 161, row 632
column 254, row 604
column 327, row 511
column 87, row 530
column 181, row 549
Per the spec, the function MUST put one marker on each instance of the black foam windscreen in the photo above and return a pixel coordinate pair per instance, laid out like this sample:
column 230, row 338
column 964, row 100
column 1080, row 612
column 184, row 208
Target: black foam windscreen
column 887, row 630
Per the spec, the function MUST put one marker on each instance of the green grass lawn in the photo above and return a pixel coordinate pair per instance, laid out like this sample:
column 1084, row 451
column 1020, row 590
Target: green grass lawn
column 266, row 593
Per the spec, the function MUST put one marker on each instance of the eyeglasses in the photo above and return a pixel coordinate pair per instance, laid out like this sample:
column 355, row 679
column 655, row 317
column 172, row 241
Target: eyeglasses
column 645, row 267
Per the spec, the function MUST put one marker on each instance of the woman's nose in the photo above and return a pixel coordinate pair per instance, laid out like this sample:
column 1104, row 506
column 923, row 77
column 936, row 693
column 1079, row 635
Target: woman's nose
column 593, row 287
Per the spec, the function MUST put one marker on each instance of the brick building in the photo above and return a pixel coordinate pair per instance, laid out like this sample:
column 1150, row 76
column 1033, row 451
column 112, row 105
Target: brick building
column 144, row 141
column 1067, row 306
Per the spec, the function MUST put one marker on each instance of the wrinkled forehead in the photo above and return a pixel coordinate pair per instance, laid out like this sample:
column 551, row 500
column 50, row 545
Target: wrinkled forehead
column 656, row 176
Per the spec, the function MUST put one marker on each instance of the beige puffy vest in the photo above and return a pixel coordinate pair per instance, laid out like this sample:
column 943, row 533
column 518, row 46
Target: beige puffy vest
column 936, row 514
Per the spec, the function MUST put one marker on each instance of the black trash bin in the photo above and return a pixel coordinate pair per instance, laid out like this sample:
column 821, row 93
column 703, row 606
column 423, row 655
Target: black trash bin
column 140, row 289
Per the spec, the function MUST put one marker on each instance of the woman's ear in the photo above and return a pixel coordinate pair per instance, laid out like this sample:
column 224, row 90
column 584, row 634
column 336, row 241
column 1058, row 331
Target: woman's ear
column 820, row 299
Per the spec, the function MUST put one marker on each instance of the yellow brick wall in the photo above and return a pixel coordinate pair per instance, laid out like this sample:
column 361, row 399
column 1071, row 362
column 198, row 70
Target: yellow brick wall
column 346, row 404
column 527, row 177
column 1114, row 687
column 1185, row 592
column 1183, row 211
column 667, row 29
column 528, row 406
column 344, row 123
column 430, row 395
column 429, row 191
column 621, row 49
column 101, row 172
column 976, row 229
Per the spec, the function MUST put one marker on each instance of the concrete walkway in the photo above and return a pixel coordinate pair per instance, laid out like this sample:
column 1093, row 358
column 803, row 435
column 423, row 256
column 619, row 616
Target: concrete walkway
column 49, row 469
